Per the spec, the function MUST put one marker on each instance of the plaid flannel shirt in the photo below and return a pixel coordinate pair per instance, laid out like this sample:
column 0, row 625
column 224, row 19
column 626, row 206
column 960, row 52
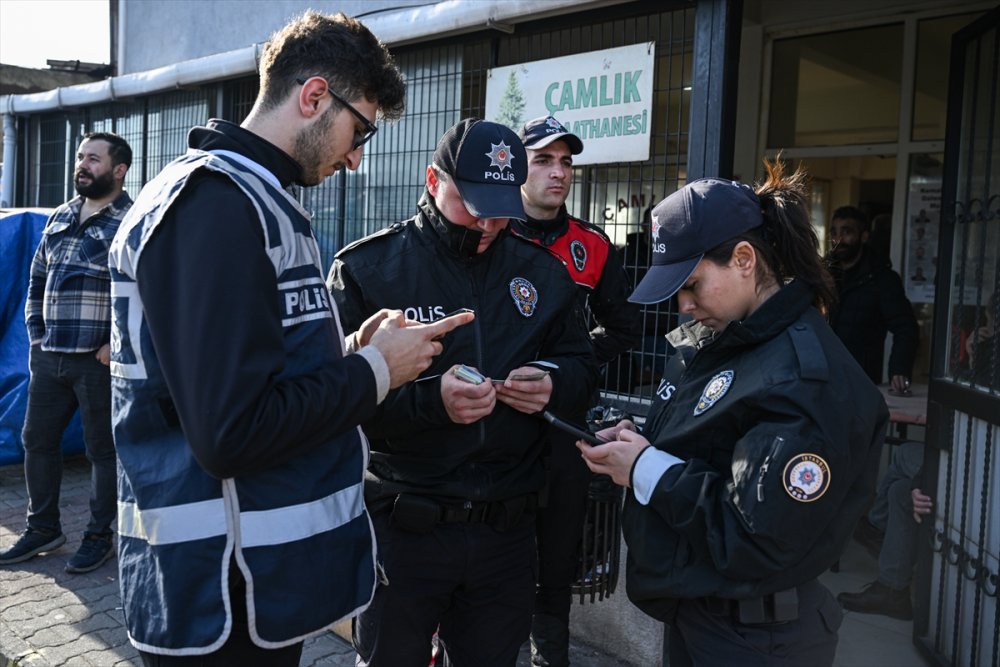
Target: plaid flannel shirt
column 69, row 293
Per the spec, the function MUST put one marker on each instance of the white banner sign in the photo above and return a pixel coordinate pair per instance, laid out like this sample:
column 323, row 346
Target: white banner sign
column 603, row 97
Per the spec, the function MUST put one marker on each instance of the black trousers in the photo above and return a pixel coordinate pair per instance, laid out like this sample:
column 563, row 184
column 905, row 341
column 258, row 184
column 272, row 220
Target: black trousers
column 239, row 649
column 700, row 637
column 474, row 582
column 560, row 526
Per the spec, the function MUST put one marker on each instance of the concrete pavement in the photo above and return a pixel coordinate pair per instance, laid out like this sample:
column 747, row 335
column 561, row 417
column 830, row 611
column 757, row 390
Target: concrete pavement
column 50, row 618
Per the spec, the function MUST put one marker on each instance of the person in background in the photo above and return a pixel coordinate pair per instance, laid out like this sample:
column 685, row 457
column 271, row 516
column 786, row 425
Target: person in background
column 242, row 524
column 68, row 314
column 870, row 302
column 746, row 480
column 457, row 461
column 890, row 535
column 594, row 265
column 982, row 347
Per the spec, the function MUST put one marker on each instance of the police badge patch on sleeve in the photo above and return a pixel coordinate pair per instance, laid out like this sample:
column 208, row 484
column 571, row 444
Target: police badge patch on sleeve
column 525, row 296
column 714, row 390
column 806, row 477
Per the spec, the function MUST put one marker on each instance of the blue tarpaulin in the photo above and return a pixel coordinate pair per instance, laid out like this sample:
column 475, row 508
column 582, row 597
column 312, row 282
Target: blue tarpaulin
column 20, row 232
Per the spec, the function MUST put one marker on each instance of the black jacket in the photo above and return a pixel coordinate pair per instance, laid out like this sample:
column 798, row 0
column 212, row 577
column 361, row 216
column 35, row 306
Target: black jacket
column 871, row 303
column 594, row 265
column 781, row 435
column 411, row 266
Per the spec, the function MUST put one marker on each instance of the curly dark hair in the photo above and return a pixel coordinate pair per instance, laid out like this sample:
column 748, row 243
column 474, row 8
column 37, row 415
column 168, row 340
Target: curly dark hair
column 341, row 50
column 118, row 149
column 786, row 242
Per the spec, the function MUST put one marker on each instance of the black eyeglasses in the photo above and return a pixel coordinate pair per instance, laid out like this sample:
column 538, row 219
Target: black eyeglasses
column 361, row 137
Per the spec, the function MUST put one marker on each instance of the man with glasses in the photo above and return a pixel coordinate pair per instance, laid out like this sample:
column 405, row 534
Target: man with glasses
column 242, row 526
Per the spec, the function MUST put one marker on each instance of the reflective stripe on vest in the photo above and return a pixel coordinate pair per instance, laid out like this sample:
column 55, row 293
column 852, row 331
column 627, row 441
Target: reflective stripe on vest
column 196, row 521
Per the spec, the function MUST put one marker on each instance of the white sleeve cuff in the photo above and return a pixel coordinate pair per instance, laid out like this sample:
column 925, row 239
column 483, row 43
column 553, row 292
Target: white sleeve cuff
column 379, row 368
column 648, row 470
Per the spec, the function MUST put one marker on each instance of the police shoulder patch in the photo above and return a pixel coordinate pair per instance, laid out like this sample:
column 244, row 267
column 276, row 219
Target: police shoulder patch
column 579, row 253
column 714, row 390
column 525, row 296
column 806, row 477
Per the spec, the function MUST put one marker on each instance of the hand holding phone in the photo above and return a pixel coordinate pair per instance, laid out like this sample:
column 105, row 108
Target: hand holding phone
column 572, row 429
column 466, row 394
column 530, row 376
column 468, row 374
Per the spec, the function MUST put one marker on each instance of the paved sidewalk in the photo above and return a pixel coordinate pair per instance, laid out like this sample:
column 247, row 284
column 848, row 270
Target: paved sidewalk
column 50, row 618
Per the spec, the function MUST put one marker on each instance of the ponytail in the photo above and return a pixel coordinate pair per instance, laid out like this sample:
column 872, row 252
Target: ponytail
column 789, row 235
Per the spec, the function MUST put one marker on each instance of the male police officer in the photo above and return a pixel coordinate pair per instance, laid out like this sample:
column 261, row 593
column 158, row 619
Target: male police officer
column 594, row 265
column 457, row 461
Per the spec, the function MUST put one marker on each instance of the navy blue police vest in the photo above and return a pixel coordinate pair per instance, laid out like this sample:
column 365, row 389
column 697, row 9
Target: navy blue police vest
column 298, row 532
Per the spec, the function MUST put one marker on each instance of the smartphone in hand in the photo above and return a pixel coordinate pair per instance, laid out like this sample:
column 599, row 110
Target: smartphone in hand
column 534, row 374
column 572, row 429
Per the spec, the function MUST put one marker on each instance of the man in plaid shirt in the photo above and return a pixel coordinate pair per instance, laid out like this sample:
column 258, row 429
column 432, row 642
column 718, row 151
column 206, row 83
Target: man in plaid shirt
column 68, row 313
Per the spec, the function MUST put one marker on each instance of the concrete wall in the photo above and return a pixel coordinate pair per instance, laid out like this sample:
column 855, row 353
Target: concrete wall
column 164, row 33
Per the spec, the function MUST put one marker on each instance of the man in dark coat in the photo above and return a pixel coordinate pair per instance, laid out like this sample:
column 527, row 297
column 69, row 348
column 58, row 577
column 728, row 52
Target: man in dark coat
column 871, row 302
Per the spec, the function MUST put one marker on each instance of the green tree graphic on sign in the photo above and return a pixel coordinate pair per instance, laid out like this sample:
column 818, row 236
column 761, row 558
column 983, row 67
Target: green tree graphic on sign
column 511, row 105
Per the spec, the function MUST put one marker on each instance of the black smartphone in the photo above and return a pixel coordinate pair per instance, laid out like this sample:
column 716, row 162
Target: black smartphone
column 454, row 312
column 572, row 429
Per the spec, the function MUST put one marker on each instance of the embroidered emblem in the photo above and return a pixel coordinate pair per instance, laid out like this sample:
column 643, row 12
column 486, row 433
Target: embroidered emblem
column 579, row 254
column 500, row 156
column 714, row 390
column 654, row 226
column 806, row 477
column 525, row 296
column 553, row 125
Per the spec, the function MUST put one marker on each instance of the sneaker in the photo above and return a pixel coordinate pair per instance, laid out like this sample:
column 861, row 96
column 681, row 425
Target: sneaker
column 94, row 551
column 868, row 536
column 877, row 598
column 30, row 544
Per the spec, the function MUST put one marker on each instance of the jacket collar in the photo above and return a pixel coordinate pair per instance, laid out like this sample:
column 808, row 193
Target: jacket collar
column 221, row 134
column 459, row 241
column 544, row 231
column 770, row 319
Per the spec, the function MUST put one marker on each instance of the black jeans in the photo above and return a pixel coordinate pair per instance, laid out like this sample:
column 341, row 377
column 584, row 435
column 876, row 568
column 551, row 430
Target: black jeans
column 560, row 527
column 473, row 581
column 61, row 382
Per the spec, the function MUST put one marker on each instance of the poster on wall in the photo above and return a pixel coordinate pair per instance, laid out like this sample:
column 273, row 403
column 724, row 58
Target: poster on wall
column 604, row 97
column 923, row 217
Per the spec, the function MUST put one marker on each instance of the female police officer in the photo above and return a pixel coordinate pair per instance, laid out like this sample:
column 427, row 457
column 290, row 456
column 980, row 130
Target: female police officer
column 761, row 448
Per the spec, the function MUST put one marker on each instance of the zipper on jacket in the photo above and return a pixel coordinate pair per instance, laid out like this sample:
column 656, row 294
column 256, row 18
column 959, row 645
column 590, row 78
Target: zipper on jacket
column 775, row 448
column 480, row 360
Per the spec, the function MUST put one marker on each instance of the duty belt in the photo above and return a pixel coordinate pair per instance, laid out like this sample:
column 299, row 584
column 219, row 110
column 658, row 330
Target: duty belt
column 779, row 607
column 420, row 514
